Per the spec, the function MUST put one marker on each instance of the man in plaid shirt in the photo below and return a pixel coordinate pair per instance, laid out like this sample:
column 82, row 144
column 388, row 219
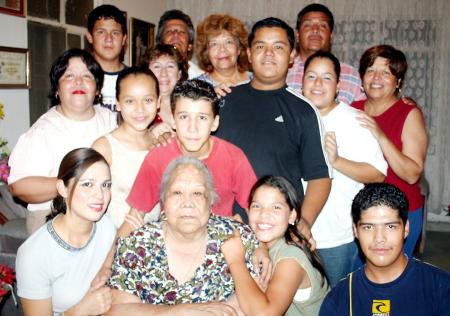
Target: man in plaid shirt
column 314, row 31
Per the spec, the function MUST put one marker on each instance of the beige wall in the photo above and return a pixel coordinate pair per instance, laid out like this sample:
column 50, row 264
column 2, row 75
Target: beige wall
column 146, row 10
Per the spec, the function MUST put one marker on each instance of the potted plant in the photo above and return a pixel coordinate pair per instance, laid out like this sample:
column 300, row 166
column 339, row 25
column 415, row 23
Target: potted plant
column 7, row 278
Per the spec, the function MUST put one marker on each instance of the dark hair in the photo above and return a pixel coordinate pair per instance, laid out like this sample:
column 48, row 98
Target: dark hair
column 272, row 22
column 106, row 12
column 315, row 7
column 195, row 89
column 292, row 235
column 214, row 25
column 133, row 71
column 167, row 50
column 73, row 166
column 395, row 58
column 175, row 15
column 325, row 55
column 59, row 68
column 380, row 194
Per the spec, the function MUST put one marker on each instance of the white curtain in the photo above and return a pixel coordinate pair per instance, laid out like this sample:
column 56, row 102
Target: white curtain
column 421, row 29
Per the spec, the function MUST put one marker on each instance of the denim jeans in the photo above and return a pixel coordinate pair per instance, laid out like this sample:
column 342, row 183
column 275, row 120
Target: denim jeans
column 415, row 228
column 338, row 261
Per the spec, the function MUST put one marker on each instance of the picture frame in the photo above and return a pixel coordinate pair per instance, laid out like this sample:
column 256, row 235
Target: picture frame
column 14, row 68
column 13, row 7
column 124, row 48
column 142, row 37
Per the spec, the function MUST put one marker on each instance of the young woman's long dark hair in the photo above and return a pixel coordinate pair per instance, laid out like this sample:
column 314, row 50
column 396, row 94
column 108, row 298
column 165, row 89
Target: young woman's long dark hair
column 292, row 235
column 72, row 167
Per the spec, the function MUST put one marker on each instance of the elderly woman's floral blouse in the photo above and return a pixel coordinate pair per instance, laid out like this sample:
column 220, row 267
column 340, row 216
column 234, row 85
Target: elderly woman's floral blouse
column 141, row 268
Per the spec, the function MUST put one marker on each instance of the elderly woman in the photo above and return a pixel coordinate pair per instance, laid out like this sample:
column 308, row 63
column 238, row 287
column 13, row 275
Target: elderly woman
column 175, row 264
column 359, row 160
column 72, row 121
column 221, row 47
column 398, row 127
column 169, row 66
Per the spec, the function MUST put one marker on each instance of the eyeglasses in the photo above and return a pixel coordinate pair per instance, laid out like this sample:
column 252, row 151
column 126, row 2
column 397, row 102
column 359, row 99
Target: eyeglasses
column 227, row 43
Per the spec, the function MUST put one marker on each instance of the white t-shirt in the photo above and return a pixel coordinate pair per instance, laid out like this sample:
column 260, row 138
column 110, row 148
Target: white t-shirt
column 109, row 90
column 39, row 151
column 333, row 226
column 47, row 267
column 194, row 70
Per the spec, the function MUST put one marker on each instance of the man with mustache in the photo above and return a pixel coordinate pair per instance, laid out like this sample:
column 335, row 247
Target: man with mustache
column 314, row 32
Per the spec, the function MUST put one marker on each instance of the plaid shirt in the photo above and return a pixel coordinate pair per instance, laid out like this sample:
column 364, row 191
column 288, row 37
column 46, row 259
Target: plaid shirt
column 349, row 81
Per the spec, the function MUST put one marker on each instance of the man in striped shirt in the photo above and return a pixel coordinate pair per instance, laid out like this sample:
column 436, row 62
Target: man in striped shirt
column 314, row 32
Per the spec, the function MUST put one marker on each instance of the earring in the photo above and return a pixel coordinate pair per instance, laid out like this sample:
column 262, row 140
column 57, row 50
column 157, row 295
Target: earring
column 361, row 88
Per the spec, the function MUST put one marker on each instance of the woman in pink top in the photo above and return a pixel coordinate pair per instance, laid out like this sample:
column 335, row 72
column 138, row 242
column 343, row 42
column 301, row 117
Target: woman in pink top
column 399, row 127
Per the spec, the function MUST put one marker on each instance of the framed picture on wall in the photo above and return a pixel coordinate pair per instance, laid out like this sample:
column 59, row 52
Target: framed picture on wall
column 14, row 68
column 125, row 48
column 14, row 7
column 142, row 37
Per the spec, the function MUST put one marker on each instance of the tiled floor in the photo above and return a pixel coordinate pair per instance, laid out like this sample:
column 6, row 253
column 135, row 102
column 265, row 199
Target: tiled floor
column 437, row 252
column 437, row 249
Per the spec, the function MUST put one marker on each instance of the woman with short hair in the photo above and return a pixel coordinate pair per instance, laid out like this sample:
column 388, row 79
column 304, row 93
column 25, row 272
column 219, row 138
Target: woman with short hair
column 169, row 66
column 398, row 127
column 175, row 264
column 71, row 122
column 221, row 48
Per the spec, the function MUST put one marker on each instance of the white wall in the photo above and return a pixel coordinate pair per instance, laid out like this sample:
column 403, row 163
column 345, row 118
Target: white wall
column 15, row 101
column 149, row 11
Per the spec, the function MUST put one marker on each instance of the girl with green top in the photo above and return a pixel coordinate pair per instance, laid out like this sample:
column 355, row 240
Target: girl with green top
column 298, row 284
